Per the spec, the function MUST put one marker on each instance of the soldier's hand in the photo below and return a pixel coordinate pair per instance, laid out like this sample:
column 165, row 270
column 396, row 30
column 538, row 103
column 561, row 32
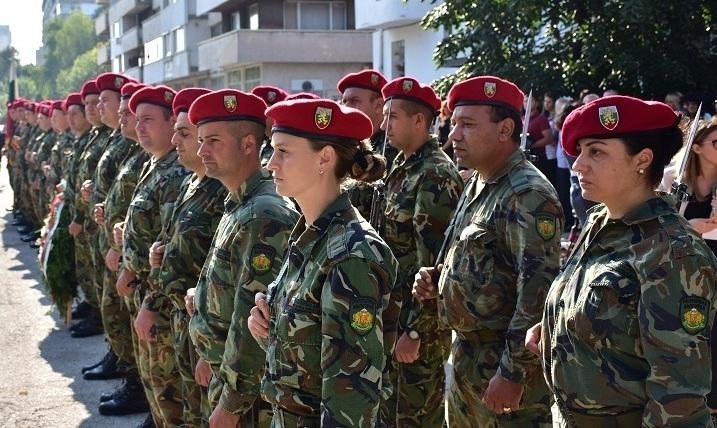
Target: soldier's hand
column 99, row 213
column 118, row 233
column 221, row 418
column 532, row 339
column 189, row 301
column 74, row 228
column 124, row 283
column 502, row 395
column 202, row 372
column 86, row 190
column 145, row 325
column 407, row 349
column 259, row 317
column 112, row 259
column 424, row 285
column 156, row 252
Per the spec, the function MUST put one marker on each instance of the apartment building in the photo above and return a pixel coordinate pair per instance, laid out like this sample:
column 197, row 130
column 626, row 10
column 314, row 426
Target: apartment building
column 300, row 45
column 54, row 8
column 400, row 46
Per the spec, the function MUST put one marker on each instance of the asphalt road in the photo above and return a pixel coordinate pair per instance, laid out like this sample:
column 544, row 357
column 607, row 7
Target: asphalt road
column 40, row 380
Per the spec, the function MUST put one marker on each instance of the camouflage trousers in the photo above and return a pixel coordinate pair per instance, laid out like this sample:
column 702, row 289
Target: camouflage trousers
column 116, row 321
column 158, row 369
column 85, row 269
column 420, row 387
column 187, row 357
column 259, row 416
column 473, row 367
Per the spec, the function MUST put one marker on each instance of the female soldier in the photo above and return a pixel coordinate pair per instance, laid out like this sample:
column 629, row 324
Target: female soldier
column 323, row 321
column 626, row 325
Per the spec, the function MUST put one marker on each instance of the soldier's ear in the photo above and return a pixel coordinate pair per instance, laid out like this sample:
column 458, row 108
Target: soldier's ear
column 505, row 129
column 643, row 159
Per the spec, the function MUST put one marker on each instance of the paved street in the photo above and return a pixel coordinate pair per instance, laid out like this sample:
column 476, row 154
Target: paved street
column 41, row 384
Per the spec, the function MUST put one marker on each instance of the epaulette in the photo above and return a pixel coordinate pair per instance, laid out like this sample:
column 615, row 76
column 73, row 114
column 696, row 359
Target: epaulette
column 681, row 244
column 336, row 245
column 520, row 179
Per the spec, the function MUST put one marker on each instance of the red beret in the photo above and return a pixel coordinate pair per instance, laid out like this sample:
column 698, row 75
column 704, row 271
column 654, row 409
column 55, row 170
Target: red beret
column 319, row 119
column 184, row 99
column 111, row 82
column 270, row 94
column 30, row 105
column 89, row 88
column 364, row 79
column 57, row 105
column 302, row 96
column 130, row 88
column 161, row 96
column 44, row 109
column 73, row 98
column 407, row 88
column 486, row 90
column 227, row 105
column 613, row 117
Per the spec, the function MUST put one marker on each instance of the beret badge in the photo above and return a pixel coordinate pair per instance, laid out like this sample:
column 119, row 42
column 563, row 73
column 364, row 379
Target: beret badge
column 230, row 103
column 609, row 117
column 322, row 117
column 168, row 97
column 119, row 82
column 489, row 89
column 271, row 96
column 407, row 85
column 374, row 79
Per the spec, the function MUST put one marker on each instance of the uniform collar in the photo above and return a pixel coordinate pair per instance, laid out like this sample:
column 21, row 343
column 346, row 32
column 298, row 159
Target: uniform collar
column 514, row 159
column 247, row 188
column 649, row 210
column 304, row 234
column 423, row 152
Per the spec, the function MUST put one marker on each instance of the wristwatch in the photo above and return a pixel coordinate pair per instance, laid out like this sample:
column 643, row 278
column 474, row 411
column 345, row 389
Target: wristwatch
column 413, row 334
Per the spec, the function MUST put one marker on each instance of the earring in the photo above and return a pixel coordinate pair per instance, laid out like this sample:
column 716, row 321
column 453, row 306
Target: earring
column 641, row 171
column 321, row 172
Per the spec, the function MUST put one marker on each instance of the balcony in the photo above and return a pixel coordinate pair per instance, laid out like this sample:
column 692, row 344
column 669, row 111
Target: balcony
column 165, row 20
column 206, row 6
column 131, row 39
column 134, row 72
column 103, row 54
column 379, row 14
column 240, row 47
column 102, row 26
column 127, row 7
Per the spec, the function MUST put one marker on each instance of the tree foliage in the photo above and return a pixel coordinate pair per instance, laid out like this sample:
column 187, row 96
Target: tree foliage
column 639, row 47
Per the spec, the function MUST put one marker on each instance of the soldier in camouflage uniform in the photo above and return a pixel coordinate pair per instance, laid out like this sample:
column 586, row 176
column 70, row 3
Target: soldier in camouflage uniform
column 148, row 214
column 40, row 149
column 362, row 91
column 177, row 258
column 130, row 396
column 83, row 227
column 271, row 95
column 244, row 258
column 503, row 251
column 25, row 154
column 322, row 323
column 627, row 323
column 422, row 191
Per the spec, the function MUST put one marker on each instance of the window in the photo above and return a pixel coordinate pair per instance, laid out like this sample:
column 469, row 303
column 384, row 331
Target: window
column 252, row 77
column 234, row 79
column 168, row 44
column 254, row 16
column 116, row 30
column 179, row 39
column 315, row 15
column 153, row 50
column 235, row 21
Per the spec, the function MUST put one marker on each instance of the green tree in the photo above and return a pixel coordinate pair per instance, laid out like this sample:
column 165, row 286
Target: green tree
column 639, row 47
column 84, row 67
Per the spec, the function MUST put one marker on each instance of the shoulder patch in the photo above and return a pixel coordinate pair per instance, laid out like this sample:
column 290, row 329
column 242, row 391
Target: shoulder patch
column 262, row 258
column 693, row 313
column 362, row 313
column 545, row 225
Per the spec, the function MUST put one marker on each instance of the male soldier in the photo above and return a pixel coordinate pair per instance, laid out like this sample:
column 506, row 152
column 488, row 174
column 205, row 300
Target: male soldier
column 245, row 256
column 178, row 256
column 83, row 227
column 271, row 95
column 130, row 396
column 503, row 252
column 362, row 91
column 40, row 152
column 32, row 131
column 147, row 215
column 422, row 191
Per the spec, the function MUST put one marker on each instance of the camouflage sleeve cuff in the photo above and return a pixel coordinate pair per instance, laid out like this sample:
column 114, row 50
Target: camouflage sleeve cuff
column 235, row 402
column 152, row 302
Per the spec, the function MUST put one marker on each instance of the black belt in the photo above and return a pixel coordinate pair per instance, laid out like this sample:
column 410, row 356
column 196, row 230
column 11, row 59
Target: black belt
column 628, row 419
column 481, row 336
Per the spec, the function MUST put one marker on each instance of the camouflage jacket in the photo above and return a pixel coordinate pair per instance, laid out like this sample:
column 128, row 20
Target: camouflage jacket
column 325, row 351
column 504, row 252
column 78, row 147
column 120, row 193
column 108, row 166
column 421, row 195
column 188, row 236
column 87, row 164
column 59, row 164
column 148, row 213
column 627, row 323
column 42, row 146
column 244, row 258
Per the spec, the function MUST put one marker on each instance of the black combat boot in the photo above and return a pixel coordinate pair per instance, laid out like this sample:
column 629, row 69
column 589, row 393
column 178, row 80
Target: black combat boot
column 90, row 326
column 107, row 370
column 108, row 354
column 147, row 423
column 81, row 310
column 129, row 398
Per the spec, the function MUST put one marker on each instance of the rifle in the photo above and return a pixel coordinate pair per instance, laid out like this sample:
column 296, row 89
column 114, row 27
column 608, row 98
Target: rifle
column 377, row 218
column 524, row 135
column 679, row 187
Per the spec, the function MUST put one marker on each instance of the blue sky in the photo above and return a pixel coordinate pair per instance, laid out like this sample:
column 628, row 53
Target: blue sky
column 25, row 20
